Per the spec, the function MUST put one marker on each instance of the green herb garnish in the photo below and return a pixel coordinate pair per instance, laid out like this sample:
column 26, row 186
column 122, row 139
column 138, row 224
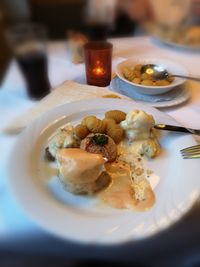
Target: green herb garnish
column 99, row 139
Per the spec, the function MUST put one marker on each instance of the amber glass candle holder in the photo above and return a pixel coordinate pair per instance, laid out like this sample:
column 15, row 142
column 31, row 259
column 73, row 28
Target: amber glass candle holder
column 98, row 63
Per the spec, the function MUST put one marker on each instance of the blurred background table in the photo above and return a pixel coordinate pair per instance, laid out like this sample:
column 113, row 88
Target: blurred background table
column 21, row 239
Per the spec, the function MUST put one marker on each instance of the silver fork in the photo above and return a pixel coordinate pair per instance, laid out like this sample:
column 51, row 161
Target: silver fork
column 192, row 152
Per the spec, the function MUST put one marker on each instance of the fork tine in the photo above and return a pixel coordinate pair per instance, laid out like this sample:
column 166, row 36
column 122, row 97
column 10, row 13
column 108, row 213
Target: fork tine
column 190, row 153
column 191, row 148
column 192, row 156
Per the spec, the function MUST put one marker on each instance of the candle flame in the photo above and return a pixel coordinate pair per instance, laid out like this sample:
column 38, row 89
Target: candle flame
column 98, row 71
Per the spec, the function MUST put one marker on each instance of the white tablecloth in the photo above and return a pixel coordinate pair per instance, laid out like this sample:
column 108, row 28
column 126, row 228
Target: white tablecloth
column 18, row 233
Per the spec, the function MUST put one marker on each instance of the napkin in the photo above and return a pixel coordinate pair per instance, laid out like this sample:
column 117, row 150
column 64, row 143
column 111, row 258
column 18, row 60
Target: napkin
column 67, row 92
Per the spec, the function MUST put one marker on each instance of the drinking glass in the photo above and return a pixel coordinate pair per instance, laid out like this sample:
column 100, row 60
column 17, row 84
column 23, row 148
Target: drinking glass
column 28, row 44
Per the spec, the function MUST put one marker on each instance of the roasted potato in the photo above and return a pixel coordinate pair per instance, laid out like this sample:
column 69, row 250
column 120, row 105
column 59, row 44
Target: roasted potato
column 108, row 122
column 83, row 122
column 134, row 74
column 145, row 76
column 115, row 132
column 136, row 80
column 162, row 82
column 94, row 125
column 137, row 74
column 147, row 82
column 128, row 74
column 116, row 115
column 81, row 131
column 138, row 67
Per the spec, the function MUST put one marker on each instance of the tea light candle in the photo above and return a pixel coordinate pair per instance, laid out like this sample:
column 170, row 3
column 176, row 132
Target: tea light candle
column 98, row 63
column 98, row 71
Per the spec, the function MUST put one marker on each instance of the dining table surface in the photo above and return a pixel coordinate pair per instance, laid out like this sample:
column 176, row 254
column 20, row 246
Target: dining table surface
column 178, row 245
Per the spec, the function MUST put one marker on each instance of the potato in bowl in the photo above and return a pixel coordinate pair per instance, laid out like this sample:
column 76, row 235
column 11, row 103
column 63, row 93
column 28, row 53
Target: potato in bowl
column 135, row 75
column 130, row 72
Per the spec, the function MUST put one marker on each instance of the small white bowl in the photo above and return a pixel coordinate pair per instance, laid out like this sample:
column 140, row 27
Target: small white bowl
column 171, row 67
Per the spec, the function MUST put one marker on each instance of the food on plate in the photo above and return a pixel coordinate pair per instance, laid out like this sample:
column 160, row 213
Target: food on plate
column 147, row 82
column 134, row 74
column 116, row 115
column 88, row 118
column 140, row 137
column 81, row 131
column 79, row 177
column 138, row 67
column 64, row 137
column 128, row 73
column 94, row 124
column 109, row 123
column 113, row 129
column 138, row 125
column 107, row 126
column 100, row 144
column 138, row 174
column 137, row 80
column 150, row 148
column 115, row 132
column 130, row 188
column 99, row 152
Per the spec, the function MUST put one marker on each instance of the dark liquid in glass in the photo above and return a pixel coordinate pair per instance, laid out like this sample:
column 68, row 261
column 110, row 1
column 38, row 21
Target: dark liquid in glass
column 34, row 68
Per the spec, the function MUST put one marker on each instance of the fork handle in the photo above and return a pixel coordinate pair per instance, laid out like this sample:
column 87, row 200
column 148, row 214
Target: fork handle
column 187, row 77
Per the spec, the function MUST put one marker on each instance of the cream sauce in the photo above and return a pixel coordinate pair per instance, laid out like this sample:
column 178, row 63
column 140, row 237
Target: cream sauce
column 148, row 147
column 63, row 138
column 120, row 194
column 79, row 166
column 132, row 147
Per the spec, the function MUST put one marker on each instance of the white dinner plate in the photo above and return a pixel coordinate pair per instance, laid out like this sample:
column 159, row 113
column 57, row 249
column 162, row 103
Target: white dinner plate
column 175, row 181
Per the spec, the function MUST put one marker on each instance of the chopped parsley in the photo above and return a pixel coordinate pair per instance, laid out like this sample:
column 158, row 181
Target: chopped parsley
column 99, row 139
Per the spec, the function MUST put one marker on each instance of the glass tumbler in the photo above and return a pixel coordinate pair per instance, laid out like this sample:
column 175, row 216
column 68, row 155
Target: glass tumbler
column 28, row 45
